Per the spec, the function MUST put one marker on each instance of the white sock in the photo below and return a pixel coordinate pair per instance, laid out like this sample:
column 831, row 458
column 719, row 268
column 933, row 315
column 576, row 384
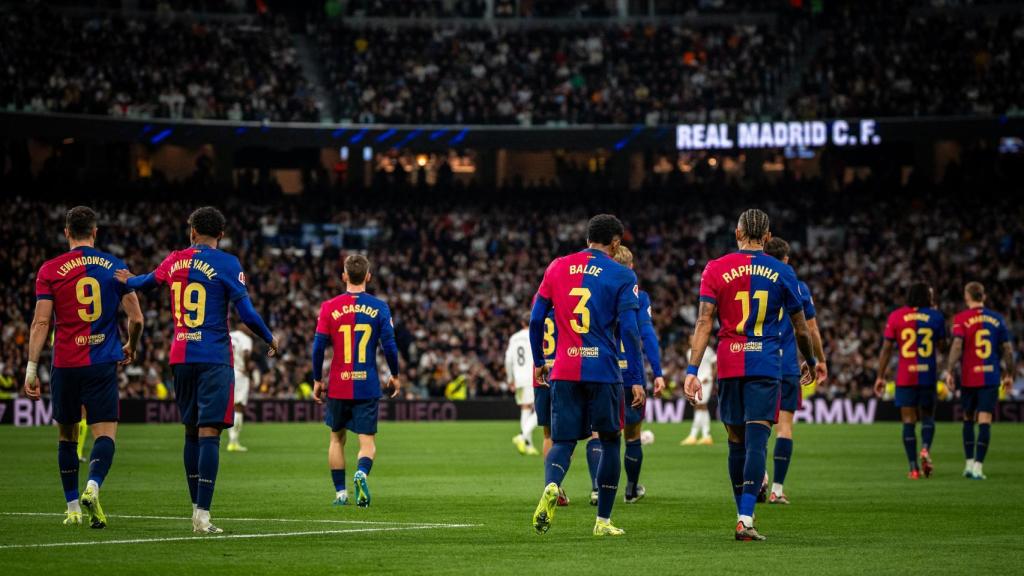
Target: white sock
column 341, row 493
column 695, row 427
column 705, row 421
column 194, row 509
column 92, row 484
column 977, row 467
column 748, row 521
column 235, row 429
column 776, row 488
column 73, row 506
column 527, row 423
column 599, row 519
column 970, row 464
column 202, row 516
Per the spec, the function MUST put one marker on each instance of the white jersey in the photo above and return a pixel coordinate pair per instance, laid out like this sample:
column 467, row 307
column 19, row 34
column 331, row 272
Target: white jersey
column 519, row 360
column 706, row 372
column 241, row 347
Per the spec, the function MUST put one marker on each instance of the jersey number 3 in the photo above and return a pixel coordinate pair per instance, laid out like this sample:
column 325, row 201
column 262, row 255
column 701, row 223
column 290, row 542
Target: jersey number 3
column 581, row 325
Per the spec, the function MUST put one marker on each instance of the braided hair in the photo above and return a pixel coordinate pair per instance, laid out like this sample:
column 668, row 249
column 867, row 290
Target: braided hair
column 754, row 224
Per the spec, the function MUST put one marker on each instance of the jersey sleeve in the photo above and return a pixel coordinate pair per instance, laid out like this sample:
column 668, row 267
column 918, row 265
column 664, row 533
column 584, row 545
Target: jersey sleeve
column 791, row 297
column 890, row 328
column 44, row 290
column 387, row 340
column 1004, row 332
column 958, row 327
column 122, row 288
column 808, row 302
column 644, row 314
column 234, row 281
column 629, row 292
column 323, row 325
column 162, row 274
column 709, row 285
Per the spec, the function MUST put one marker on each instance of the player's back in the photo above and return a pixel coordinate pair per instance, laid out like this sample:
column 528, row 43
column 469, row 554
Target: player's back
column 752, row 291
column 916, row 332
column 241, row 346
column 203, row 281
column 984, row 332
column 356, row 324
column 520, row 359
column 587, row 290
column 86, row 297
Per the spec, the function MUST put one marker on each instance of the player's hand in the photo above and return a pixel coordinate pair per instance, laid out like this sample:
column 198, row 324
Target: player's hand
column 32, row 388
column 129, row 355
column 396, row 386
column 318, row 391
column 1008, row 384
column 275, row 346
column 879, row 387
column 540, row 375
column 805, row 374
column 821, row 372
column 123, row 275
column 639, row 396
column 692, row 389
column 659, row 385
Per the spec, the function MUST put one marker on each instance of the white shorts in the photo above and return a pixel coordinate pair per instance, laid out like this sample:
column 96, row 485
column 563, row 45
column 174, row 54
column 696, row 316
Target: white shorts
column 524, row 395
column 241, row 388
column 705, row 393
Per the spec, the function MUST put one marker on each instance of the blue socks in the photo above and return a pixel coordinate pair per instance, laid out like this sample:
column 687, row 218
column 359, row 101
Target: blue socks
column 338, row 476
column 191, row 454
column 927, row 432
column 67, row 460
column 364, row 465
column 984, row 435
column 593, row 460
column 557, row 463
column 100, row 459
column 910, row 444
column 969, row 440
column 737, row 459
column 209, row 461
column 634, row 459
column 608, row 472
column 753, row 471
column 783, row 455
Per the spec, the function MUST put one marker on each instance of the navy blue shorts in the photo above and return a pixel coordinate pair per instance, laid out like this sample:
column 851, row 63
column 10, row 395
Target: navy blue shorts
column 205, row 394
column 633, row 415
column 542, row 405
column 915, row 396
column 94, row 387
column 358, row 416
column 982, row 399
column 580, row 408
column 742, row 400
column 791, row 397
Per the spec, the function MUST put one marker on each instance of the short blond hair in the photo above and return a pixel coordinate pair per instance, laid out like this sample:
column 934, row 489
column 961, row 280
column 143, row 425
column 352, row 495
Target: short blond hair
column 623, row 256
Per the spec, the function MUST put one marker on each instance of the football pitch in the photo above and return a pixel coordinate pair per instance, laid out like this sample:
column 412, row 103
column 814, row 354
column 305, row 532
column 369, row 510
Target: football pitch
column 455, row 498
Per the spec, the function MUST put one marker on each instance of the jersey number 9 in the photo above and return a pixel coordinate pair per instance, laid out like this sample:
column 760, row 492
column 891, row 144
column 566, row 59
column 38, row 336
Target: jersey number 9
column 193, row 300
column 87, row 290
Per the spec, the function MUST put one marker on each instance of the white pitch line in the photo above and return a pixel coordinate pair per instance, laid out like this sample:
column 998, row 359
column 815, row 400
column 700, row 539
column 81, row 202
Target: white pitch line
column 225, row 537
column 311, row 520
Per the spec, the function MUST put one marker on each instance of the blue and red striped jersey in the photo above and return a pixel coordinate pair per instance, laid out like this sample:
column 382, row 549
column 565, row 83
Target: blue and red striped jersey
column 750, row 289
column 984, row 332
column 916, row 332
column 86, row 297
column 588, row 289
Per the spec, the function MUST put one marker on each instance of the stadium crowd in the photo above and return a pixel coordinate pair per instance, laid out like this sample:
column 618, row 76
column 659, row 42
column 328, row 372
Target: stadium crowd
column 459, row 274
column 150, row 67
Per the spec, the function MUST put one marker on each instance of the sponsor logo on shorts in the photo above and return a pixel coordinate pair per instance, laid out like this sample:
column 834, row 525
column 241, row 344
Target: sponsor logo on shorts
column 353, row 375
column 583, row 352
column 189, row 337
column 90, row 340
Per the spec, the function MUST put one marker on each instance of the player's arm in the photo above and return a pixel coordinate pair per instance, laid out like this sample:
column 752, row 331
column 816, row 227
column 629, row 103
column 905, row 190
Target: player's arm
column 320, row 343
column 390, row 348
column 251, row 318
column 37, row 335
column 956, row 350
column 698, row 345
column 652, row 351
column 144, row 282
column 805, row 344
column 629, row 333
column 819, row 347
column 1008, row 366
column 883, row 366
column 130, row 302
column 541, row 307
column 509, row 365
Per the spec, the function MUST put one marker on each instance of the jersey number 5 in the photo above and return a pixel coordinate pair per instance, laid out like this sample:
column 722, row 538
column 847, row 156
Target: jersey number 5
column 583, row 325
column 189, row 304
column 982, row 345
column 87, row 290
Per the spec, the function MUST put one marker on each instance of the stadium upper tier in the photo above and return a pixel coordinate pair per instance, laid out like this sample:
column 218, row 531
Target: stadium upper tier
column 853, row 59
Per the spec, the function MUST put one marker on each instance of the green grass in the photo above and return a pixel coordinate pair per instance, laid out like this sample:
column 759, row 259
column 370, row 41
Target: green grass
column 854, row 511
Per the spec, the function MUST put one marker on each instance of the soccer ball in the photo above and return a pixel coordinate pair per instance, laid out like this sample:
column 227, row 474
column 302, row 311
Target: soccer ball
column 647, row 437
